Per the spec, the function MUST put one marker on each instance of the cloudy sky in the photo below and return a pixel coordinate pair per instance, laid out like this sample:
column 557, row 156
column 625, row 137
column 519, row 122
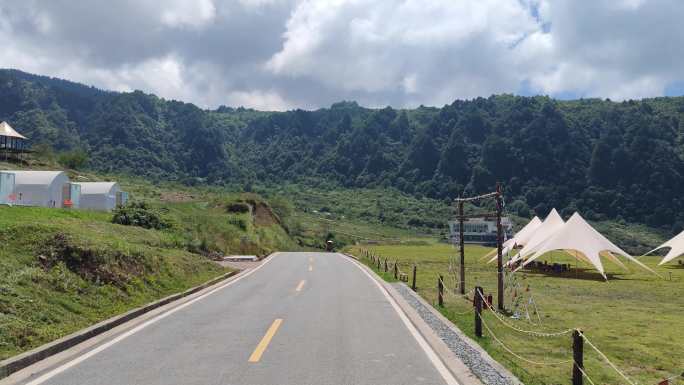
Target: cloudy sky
column 281, row 54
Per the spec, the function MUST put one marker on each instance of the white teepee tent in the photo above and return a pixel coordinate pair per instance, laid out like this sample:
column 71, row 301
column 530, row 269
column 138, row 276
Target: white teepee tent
column 520, row 238
column 551, row 224
column 586, row 243
column 676, row 246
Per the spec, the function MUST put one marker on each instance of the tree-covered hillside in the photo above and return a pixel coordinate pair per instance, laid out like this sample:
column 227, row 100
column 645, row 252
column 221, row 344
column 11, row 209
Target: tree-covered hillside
column 609, row 160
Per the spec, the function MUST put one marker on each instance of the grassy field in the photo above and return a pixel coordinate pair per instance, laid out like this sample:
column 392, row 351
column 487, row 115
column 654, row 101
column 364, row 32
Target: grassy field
column 635, row 318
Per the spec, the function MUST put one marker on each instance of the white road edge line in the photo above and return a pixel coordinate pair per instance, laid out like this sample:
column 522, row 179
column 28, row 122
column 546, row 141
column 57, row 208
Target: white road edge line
column 432, row 356
column 138, row 328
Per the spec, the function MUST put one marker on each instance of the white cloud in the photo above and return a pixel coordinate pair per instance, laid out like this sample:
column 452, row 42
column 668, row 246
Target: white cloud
column 191, row 13
column 608, row 48
column 259, row 99
column 259, row 3
column 276, row 54
column 369, row 46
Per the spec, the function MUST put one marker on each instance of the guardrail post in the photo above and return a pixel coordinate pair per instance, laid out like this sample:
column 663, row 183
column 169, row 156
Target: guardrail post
column 578, row 357
column 440, row 292
column 396, row 270
column 478, row 310
column 413, row 282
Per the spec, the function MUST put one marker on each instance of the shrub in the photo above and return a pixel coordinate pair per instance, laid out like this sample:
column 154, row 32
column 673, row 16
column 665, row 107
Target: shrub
column 138, row 214
column 75, row 159
column 241, row 223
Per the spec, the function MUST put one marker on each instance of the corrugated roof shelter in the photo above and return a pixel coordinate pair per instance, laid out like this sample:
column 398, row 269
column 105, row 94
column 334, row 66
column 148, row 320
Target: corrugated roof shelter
column 103, row 196
column 44, row 189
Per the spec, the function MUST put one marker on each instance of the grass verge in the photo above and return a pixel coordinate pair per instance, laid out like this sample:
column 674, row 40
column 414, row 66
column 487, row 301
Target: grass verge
column 635, row 318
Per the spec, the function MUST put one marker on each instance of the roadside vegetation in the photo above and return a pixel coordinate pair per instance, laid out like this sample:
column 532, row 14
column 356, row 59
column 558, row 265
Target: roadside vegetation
column 62, row 270
column 634, row 318
column 352, row 215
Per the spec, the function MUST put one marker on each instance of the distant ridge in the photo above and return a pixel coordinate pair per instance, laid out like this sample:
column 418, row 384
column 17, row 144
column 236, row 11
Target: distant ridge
column 612, row 160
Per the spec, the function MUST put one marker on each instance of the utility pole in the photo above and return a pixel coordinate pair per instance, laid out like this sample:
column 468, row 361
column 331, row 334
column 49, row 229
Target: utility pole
column 499, row 246
column 461, row 284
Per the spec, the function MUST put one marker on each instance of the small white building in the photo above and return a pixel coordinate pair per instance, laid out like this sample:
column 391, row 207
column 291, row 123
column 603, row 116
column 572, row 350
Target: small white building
column 103, row 196
column 44, row 189
column 7, row 196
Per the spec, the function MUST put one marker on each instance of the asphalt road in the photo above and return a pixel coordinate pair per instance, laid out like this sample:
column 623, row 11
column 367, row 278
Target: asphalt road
column 335, row 327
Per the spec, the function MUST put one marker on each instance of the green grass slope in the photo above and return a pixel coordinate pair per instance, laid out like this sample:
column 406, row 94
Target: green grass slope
column 62, row 270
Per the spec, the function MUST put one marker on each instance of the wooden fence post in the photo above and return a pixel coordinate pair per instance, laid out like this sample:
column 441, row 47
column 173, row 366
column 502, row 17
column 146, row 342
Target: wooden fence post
column 479, row 294
column 378, row 258
column 413, row 282
column 440, row 292
column 385, row 265
column 578, row 357
column 396, row 270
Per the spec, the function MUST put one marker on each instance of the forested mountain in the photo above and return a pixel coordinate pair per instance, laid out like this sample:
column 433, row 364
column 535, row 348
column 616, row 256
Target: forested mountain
column 610, row 160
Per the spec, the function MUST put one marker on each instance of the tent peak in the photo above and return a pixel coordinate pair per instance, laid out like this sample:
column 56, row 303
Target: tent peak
column 7, row 130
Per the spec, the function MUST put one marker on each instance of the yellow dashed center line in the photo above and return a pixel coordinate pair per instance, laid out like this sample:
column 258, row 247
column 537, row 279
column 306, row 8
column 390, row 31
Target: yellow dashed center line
column 256, row 355
column 301, row 285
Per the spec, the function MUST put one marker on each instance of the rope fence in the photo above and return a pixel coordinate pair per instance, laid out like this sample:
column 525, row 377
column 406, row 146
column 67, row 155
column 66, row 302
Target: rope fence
column 450, row 291
column 499, row 316
column 516, row 355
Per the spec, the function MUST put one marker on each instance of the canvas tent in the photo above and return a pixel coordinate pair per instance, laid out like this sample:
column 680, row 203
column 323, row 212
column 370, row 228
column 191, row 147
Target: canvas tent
column 44, row 188
column 551, row 224
column 676, row 246
column 521, row 238
column 103, row 196
column 582, row 241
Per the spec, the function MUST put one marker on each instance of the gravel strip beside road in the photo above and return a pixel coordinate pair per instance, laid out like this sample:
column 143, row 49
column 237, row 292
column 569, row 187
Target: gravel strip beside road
column 471, row 357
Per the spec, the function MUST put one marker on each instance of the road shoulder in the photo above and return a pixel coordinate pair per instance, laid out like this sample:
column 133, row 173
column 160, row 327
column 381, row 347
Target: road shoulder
column 466, row 360
column 56, row 353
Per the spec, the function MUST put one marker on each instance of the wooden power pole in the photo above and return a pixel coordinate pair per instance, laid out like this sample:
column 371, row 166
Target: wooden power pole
column 499, row 247
column 461, row 284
